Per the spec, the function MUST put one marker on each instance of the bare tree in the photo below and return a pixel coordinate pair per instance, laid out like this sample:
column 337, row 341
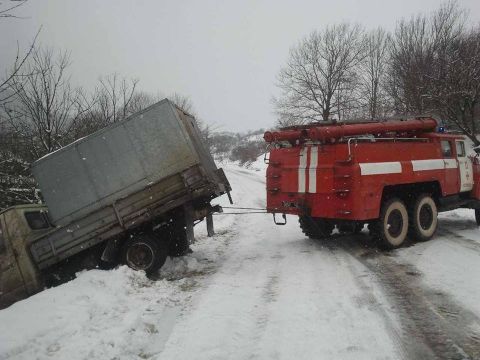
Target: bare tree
column 16, row 184
column 411, row 58
column 372, row 73
column 418, row 56
column 8, row 8
column 113, row 98
column 183, row 102
column 141, row 100
column 207, row 131
column 435, row 68
column 45, row 105
column 456, row 95
column 319, row 75
column 6, row 93
column 113, row 101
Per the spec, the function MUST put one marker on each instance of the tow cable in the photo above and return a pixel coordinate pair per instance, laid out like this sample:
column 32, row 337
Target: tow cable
column 250, row 210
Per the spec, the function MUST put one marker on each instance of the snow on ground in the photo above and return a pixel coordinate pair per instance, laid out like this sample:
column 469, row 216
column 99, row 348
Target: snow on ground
column 256, row 290
column 451, row 262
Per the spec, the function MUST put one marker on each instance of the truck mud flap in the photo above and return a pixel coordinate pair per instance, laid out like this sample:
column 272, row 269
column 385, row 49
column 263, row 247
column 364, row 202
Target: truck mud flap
column 282, row 222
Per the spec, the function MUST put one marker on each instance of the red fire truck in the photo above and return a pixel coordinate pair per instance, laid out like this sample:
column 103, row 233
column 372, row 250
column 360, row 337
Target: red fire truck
column 394, row 176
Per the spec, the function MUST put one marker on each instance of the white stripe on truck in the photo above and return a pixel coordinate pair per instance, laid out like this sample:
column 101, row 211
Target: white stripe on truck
column 302, row 166
column 430, row 164
column 312, row 171
column 379, row 168
column 450, row 163
column 434, row 164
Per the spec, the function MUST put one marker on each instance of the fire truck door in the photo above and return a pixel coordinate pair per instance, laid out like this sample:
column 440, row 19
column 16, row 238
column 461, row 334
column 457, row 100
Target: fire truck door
column 465, row 167
column 452, row 181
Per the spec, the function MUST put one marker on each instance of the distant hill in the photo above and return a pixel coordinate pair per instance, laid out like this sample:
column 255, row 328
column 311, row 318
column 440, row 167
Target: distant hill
column 243, row 148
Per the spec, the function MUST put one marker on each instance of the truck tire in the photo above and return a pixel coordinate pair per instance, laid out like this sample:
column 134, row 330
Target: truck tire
column 315, row 228
column 423, row 219
column 391, row 229
column 145, row 252
column 179, row 244
column 477, row 216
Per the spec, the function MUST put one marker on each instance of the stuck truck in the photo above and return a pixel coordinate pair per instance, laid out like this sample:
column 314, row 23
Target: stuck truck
column 393, row 175
column 130, row 193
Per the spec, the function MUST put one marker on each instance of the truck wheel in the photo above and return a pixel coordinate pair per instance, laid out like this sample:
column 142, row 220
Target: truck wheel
column 423, row 218
column 477, row 216
column 315, row 228
column 179, row 245
column 392, row 227
column 145, row 252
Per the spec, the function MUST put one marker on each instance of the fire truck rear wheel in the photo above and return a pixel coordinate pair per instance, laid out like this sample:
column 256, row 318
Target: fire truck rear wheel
column 423, row 218
column 315, row 228
column 391, row 229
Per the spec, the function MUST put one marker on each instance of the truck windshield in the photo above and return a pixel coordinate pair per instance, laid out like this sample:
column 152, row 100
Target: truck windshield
column 37, row 220
column 446, row 148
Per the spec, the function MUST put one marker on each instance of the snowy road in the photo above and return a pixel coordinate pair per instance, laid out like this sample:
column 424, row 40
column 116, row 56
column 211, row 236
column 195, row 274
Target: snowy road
column 257, row 290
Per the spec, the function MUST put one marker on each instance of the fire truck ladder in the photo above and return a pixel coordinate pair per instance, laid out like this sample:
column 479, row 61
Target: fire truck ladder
column 342, row 185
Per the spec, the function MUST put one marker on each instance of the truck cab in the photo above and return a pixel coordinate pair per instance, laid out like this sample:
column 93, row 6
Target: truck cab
column 19, row 226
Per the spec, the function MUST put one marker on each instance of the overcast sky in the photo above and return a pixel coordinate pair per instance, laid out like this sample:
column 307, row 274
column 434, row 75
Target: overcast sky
column 224, row 55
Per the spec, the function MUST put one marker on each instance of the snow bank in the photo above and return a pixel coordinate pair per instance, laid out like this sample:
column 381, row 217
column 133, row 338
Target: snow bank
column 101, row 314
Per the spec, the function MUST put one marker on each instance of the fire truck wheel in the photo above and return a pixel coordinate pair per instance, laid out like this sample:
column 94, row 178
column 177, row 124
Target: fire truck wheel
column 144, row 252
column 423, row 218
column 315, row 228
column 477, row 216
column 391, row 229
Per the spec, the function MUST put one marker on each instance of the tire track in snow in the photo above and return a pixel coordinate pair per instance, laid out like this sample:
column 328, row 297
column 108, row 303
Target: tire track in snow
column 315, row 314
column 297, row 264
column 460, row 239
column 276, row 295
column 368, row 298
column 434, row 327
column 232, row 310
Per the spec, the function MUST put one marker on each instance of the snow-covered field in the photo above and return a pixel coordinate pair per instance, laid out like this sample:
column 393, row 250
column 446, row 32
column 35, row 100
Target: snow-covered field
column 257, row 290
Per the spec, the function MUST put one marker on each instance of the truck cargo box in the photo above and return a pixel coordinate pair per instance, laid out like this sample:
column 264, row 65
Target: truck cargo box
column 122, row 159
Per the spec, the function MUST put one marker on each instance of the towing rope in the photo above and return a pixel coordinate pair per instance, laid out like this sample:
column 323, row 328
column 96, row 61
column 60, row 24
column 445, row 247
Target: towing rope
column 243, row 208
column 252, row 211
column 242, row 213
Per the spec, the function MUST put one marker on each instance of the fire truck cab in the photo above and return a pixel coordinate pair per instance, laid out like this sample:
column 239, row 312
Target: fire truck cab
column 394, row 176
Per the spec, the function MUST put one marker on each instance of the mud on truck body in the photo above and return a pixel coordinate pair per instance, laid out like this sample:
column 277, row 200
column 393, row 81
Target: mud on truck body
column 394, row 176
column 130, row 193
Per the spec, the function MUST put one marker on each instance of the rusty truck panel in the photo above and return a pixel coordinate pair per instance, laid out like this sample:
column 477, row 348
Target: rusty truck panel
column 18, row 273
